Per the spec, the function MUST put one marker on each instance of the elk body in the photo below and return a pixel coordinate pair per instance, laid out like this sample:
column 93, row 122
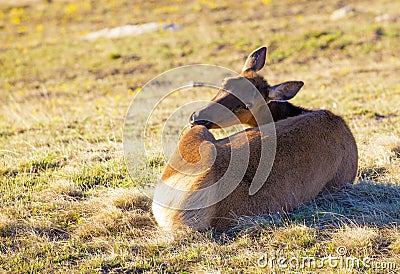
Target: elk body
column 315, row 151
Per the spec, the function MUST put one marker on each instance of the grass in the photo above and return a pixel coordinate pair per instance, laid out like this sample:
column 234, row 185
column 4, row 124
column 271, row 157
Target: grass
column 68, row 203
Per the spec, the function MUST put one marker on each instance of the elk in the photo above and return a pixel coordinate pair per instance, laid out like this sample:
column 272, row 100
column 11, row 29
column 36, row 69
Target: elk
column 315, row 152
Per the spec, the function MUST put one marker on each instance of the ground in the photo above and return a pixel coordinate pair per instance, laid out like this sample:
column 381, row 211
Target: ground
column 68, row 203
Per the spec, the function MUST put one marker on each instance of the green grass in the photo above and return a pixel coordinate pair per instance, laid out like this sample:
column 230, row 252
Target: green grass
column 68, row 203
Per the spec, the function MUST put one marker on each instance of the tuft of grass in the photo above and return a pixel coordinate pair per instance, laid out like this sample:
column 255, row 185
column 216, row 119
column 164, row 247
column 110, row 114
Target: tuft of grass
column 359, row 241
column 48, row 162
column 115, row 55
column 101, row 175
column 295, row 237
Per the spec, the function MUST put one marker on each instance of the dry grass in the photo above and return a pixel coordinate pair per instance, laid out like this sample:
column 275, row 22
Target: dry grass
column 67, row 201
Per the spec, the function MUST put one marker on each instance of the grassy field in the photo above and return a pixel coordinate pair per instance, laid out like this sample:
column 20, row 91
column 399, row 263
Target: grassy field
column 67, row 202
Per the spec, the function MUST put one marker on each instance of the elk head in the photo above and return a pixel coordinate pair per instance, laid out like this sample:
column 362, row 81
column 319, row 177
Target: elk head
column 242, row 98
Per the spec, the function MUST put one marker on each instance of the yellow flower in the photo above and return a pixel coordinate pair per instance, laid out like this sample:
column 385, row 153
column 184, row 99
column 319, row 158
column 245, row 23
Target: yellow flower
column 136, row 90
column 70, row 9
column 39, row 28
column 16, row 20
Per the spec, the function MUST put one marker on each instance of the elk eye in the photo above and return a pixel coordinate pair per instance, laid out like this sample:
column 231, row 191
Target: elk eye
column 248, row 106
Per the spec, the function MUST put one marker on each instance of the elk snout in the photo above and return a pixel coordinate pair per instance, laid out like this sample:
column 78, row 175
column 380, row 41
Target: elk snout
column 195, row 121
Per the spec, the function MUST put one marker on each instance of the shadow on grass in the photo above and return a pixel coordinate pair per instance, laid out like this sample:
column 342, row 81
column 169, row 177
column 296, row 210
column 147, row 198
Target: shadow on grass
column 365, row 203
column 371, row 173
column 15, row 230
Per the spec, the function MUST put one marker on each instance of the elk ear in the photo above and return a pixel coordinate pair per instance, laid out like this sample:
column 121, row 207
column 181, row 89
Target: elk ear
column 285, row 91
column 256, row 60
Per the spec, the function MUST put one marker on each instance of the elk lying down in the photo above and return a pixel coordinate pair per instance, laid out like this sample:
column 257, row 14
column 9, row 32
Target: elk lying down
column 315, row 151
